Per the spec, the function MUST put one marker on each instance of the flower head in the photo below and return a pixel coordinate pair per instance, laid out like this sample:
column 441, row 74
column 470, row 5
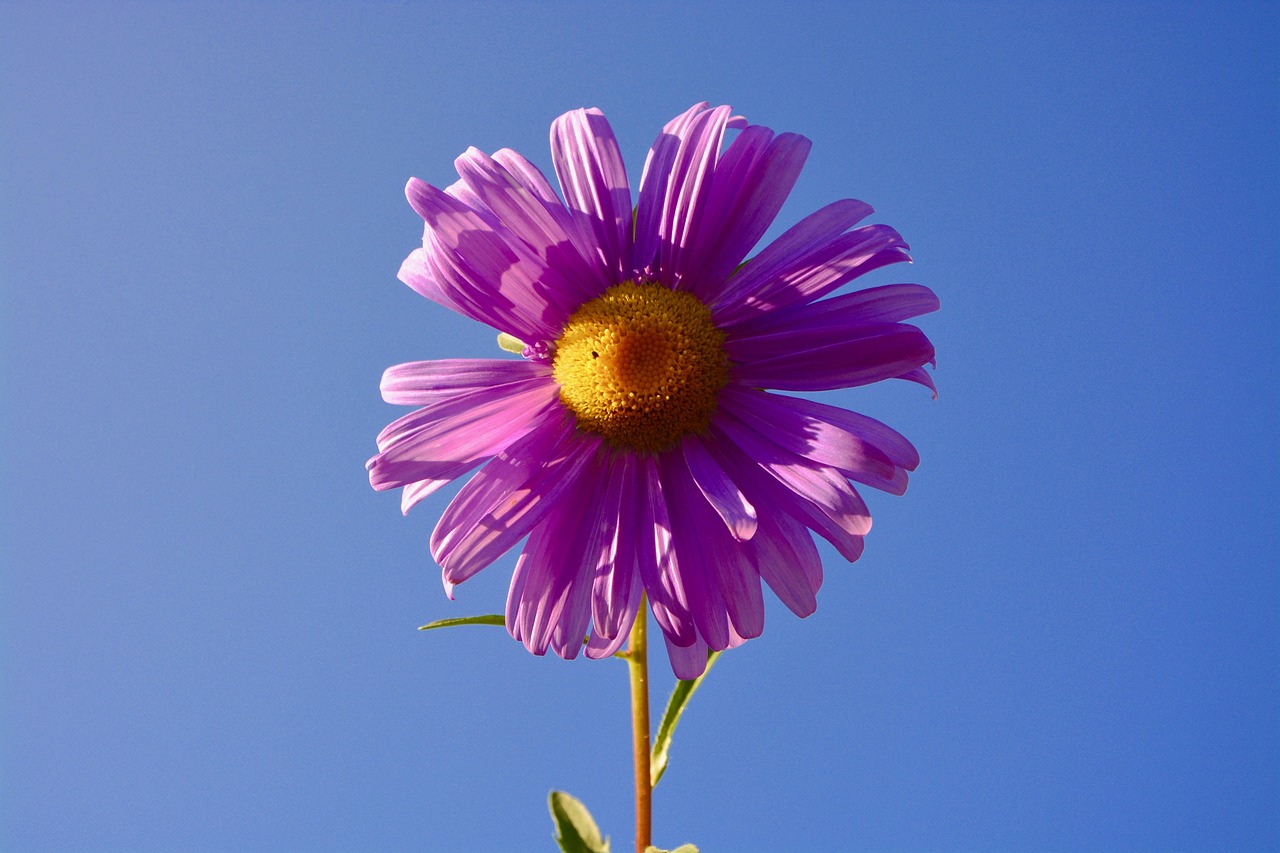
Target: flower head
column 634, row 445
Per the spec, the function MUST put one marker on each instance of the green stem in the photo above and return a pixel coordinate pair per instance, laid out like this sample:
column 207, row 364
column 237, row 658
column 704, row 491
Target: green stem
column 638, row 664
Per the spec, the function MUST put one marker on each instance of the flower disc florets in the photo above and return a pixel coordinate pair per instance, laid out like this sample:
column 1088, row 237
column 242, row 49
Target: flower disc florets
column 641, row 365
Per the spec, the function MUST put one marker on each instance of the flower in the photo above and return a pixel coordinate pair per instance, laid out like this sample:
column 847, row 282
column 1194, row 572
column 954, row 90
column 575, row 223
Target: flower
column 634, row 445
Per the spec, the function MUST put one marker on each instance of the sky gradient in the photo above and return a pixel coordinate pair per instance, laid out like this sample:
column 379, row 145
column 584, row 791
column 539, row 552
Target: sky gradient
column 1064, row 637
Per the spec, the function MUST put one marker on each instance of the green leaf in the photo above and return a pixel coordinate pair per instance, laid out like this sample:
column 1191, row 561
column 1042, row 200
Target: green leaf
column 576, row 831
column 680, row 697
column 683, row 848
column 489, row 619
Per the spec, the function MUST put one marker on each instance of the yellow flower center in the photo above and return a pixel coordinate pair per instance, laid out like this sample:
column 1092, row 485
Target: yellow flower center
column 641, row 365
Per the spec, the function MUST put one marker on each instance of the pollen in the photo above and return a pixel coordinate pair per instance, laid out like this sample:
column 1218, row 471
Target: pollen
column 641, row 366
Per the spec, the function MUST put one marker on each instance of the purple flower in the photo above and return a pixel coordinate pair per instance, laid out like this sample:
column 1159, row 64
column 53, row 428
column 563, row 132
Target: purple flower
column 634, row 444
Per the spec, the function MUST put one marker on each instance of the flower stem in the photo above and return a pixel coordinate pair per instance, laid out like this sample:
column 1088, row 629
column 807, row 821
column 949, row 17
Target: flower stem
column 638, row 665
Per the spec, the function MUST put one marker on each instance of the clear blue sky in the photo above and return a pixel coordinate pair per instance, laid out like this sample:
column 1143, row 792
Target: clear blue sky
column 1064, row 637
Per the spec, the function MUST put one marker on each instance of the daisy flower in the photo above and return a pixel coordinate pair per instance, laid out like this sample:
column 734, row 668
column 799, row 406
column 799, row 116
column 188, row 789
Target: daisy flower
column 638, row 446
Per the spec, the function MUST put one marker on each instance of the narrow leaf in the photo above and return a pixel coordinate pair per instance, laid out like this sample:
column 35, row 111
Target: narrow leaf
column 683, row 848
column 489, row 619
column 576, row 831
column 680, row 697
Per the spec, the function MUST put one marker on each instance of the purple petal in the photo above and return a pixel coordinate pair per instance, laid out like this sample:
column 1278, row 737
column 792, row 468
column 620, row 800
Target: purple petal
column 820, row 484
column 750, row 184
column 806, row 331
column 729, row 503
column 684, row 205
column 602, row 644
column 414, row 273
column 656, row 557
column 868, row 430
column 788, row 562
column 653, row 189
column 544, row 229
column 579, row 549
column 547, row 604
column 440, row 441
column 824, row 358
column 463, row 193
column 460, row 408
column 706, row 604
column 506, row 498
column 594, row 180
column 489, row 275
column 891, row 303
column 801, row 240
column 687, row 662
column 823, row 509
column 616, row 588
column 815, row 439
column 921, row 377
column 550, row 601
column 415, row 492
column 419, row 383
column 821, row 271
column 887, row 440
column 716, row 569
column 532, row 179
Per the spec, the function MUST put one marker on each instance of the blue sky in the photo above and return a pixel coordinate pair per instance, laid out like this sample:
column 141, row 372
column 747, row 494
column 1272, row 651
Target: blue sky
column 1064, row 637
